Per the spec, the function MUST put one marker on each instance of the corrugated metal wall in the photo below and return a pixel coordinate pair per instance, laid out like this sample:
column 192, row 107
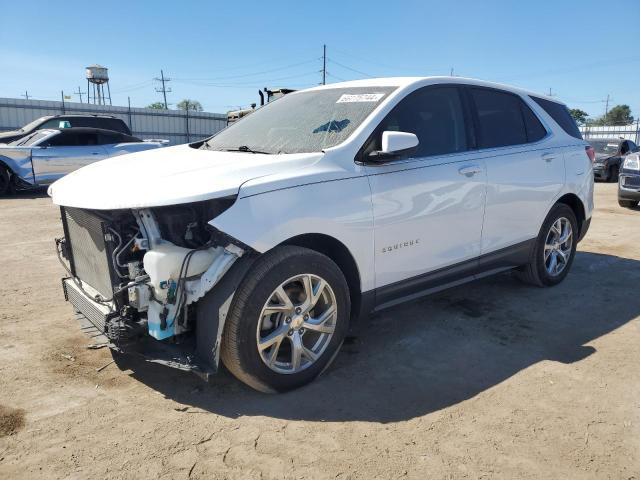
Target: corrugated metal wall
column 629, row 132
column 177, row 126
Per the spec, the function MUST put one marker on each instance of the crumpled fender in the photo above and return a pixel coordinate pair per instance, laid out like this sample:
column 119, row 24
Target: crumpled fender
column 268, row 219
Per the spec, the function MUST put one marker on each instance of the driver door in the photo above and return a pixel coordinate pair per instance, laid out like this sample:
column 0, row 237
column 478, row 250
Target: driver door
column 65, row 153
column 428, row 208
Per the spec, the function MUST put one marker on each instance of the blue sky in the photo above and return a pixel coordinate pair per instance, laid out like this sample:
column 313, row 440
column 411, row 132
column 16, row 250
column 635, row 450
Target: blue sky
column 220, row 52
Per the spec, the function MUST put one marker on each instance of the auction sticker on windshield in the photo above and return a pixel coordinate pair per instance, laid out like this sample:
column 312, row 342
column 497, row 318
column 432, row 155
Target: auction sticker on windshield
column 360, row 97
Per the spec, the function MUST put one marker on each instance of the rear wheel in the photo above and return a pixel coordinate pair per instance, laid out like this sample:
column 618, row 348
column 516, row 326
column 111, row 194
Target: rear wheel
column 5, row 181
column 287, row 320
column 554, row 250
column 627, row 203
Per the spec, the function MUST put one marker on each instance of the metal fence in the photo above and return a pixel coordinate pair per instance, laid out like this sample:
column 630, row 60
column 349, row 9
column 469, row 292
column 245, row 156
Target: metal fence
column 177, row 126
column 628, row 132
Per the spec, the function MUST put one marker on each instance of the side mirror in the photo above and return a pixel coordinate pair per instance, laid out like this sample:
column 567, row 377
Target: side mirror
column 394, row 145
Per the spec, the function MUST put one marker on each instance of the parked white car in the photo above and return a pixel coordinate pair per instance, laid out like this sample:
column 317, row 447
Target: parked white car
column 261, row 244
column 46, row 155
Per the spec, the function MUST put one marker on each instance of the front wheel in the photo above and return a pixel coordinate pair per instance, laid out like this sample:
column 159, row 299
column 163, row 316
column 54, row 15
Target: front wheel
column 5, row 181
column 287, row 321
column 554, row 250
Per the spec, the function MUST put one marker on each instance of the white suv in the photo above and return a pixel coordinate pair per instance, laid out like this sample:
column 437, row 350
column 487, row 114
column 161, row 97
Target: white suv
column 263, row 243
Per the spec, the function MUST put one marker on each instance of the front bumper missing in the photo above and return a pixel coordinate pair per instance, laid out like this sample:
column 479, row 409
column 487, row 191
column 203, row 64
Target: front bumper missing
column 93, row 318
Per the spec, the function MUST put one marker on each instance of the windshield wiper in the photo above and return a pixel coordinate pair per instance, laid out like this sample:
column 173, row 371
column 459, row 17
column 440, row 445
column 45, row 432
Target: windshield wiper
column 244, row 148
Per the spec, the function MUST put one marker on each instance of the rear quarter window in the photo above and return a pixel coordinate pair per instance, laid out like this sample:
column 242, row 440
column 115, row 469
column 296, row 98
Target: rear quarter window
column 561, row 115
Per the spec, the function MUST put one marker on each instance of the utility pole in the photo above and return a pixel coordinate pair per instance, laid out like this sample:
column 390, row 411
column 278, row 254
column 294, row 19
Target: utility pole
column 606, row 107
column 550, row 92
column 64, row 110
column 324, row 64
column 164, row 89
column 79, row 93
column 451, row 74
column 26, row 95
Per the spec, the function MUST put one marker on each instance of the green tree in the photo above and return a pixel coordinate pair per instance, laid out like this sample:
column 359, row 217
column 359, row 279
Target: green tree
column 188, row 104
column 618, row 115
column 156, row 105
column 580, row 116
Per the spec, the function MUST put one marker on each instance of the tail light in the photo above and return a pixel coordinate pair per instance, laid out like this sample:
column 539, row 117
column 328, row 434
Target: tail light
column 591, row 153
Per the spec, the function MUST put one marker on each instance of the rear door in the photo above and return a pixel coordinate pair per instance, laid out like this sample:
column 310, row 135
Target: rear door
column 65, row 153
column 427, row 208
column 525, row 170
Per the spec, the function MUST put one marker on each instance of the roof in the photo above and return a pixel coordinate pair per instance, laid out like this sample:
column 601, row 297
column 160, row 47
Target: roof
column 406, row 82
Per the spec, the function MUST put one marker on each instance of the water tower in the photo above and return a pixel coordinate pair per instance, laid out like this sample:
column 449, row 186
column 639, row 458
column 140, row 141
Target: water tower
column 98, row 76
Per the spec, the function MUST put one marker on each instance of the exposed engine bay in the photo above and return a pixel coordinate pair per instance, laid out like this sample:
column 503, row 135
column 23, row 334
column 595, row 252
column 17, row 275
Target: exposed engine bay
column 137, row 275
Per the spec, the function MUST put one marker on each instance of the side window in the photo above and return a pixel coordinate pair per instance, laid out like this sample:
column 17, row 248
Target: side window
column 85, row 139
column 115, row 125
column 561, row 115
column 535, row 129
column 64, row 139
column 434, row 115
column 500, row 119
column 108, row 138
column 57, row 123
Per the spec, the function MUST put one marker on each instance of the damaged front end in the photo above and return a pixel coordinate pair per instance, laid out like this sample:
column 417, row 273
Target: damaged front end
column 150, row 280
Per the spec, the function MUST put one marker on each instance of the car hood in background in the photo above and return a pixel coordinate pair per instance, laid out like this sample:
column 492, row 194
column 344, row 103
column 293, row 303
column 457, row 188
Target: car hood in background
column 168, row 176
column 601, row 157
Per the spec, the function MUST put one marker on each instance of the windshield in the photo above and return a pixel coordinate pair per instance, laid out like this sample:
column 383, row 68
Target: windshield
column 29, row 140
column 32, row 125
column 605, row 146
column 301, row 122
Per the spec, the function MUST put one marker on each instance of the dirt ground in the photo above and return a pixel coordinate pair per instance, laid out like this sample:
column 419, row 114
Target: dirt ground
column 490, row 380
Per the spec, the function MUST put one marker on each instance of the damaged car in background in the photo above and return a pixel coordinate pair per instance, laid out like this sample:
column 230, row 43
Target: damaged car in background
column 44, row 156
column 258, row 246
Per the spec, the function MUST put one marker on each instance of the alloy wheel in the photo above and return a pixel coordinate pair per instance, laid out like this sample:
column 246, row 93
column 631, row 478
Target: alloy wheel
column 296, row 323
column 557, row 246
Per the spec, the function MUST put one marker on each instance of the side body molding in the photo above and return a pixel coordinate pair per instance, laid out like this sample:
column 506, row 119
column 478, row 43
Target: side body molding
column 341, row 209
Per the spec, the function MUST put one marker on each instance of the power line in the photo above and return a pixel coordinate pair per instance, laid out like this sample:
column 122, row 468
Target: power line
column 352, row 69
column 253, row 74
column 164, row 89
column 252, row 83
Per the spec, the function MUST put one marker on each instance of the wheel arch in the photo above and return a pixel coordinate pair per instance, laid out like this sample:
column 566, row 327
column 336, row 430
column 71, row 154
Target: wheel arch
column 574, row 202
column 340, row 254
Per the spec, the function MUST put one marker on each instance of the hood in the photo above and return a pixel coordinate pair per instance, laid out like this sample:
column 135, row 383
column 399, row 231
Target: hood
column 168, row 176
column 10, row 134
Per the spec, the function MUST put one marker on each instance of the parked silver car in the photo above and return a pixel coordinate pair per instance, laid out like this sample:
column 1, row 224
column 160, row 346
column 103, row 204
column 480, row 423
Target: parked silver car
column 46, row 155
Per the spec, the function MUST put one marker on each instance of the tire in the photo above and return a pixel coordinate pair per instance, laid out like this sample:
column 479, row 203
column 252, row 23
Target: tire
column 627, row 203
column 5, row 181
column 613, row 174
column 536, row 272
column 248, row 324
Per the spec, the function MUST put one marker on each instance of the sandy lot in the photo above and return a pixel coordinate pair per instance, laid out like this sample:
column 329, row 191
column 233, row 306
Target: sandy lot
column 490, row 380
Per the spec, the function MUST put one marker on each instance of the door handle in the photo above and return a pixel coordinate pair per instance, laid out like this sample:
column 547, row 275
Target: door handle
column 469, row 170
column 548, row 157
column 95, row 153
